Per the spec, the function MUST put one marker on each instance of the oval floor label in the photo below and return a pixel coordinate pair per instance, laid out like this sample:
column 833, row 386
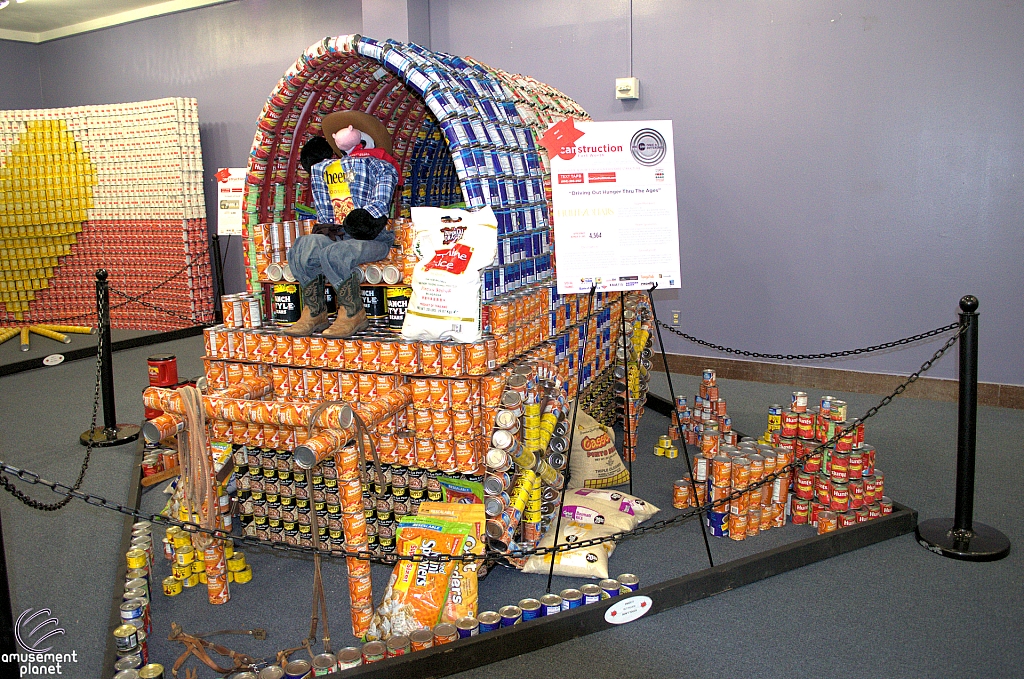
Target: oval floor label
column 53, row 359
column 627, row 610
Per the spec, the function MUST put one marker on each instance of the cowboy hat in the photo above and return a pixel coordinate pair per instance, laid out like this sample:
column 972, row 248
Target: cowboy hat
column 364, row 122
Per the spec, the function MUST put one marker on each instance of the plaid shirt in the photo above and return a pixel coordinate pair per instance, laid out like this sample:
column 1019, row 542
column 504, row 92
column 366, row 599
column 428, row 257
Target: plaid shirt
column 372, row 182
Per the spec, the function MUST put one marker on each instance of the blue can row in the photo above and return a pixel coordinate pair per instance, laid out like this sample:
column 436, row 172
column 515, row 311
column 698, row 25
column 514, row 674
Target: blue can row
column 513, row 249
column 502, row 280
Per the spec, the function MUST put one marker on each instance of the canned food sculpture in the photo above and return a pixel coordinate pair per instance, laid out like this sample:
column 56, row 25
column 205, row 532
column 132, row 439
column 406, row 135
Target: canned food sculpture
column 490, row 411
column 115, row 186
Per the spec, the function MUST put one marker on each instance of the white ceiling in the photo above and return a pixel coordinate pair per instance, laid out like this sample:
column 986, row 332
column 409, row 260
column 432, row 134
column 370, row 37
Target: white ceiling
column 42, row 20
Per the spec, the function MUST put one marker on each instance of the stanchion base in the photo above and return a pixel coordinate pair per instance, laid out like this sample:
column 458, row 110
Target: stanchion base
column 984, row 543
column 102, row 438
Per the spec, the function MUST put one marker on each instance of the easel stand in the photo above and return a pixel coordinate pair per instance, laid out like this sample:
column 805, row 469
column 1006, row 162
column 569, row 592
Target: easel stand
column 572, row 428
column 686, row 449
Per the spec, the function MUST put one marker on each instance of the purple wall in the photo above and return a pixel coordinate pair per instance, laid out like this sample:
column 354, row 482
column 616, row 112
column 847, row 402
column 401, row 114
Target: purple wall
column 228, row 56
column 846, row 171
column 19, row 75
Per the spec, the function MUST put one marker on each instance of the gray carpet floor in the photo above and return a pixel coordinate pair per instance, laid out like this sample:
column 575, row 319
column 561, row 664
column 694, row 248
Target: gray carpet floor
column 892, row 609
column 41, row 347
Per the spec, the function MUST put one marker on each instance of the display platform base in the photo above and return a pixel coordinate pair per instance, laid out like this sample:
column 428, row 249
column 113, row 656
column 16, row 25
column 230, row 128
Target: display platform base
column 118, row 435
column 509, row 642
column 983, row 543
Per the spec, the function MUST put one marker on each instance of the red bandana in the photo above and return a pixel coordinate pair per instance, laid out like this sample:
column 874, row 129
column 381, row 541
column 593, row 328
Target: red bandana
column 379, row 154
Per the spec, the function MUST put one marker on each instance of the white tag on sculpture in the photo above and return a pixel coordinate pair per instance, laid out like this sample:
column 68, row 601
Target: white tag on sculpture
column 627, row 610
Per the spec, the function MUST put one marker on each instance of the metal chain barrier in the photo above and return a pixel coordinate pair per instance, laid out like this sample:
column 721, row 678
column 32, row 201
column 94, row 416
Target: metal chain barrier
column 149, row 305
column 60, row 504
column 138, row 300
column 813, row 357
column 390, row 559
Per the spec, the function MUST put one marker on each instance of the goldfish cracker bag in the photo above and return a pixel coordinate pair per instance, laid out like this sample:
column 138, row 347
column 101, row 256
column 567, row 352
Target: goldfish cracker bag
column 417, row 592
column 463, row 589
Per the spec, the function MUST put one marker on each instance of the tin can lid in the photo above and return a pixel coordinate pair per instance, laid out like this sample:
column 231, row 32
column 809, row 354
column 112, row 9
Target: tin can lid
column 373, row 648
column 467, row 623
column 628, row 579
column 488, row 618
column 273, row 672
column 152, row 671
column 421, row 636
column 608, row 583
column 506, row 419
column 551, row 600
column 297, row 668
column 348, row 654
column 590, row 589
column 398, row 641
column 570, row 593
column 445, row 629
column 529, row 604
column 502, row 439
column 127, row 673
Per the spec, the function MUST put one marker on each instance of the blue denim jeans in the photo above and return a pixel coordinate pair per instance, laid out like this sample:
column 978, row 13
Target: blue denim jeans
column 317, row 254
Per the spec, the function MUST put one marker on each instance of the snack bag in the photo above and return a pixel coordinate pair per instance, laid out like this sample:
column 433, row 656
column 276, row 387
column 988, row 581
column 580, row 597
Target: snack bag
column 417, row 592
column 610, row 508
column 337, row 187
column 585, row 562
column 595, row 463
column 463, row 588
column 453, row 247
column 461, row 491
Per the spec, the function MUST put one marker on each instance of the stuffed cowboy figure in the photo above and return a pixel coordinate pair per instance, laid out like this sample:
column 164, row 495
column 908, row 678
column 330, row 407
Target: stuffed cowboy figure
column 352, row 195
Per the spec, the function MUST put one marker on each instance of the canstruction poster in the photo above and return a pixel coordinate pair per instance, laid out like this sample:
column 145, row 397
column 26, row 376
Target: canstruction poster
column 613, row 190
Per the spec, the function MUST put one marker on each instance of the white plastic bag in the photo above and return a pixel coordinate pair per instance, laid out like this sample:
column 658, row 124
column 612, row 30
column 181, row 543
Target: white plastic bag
column 454, row 246
column 585, row 562
column 610, row 508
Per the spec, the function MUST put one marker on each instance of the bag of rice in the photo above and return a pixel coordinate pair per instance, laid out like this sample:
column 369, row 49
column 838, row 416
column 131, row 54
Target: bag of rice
column 610, row 508
column 417, row 592
column 453, row 246
column 595, row 463
column 463, row 588
column 585, row 562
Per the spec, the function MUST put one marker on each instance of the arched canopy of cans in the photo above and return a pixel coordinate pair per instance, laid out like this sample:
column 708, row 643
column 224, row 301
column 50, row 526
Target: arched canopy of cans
column 462, row 131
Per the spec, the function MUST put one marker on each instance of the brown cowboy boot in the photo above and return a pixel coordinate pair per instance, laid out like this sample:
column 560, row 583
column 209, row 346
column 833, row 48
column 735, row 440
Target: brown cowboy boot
column 351, row 314
column 314, row 310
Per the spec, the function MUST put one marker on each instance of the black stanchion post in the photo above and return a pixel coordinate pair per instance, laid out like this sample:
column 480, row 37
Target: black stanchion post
column 960, row 537
column 111, row 433
column 686, row 450
column 7, row 645
column 218, row 272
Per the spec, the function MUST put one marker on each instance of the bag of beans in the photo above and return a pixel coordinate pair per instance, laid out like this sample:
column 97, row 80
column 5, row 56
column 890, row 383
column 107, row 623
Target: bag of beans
column 595, row 463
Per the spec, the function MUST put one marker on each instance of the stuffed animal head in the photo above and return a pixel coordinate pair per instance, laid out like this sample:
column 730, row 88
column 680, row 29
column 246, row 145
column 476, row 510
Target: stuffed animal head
column 347, row 139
